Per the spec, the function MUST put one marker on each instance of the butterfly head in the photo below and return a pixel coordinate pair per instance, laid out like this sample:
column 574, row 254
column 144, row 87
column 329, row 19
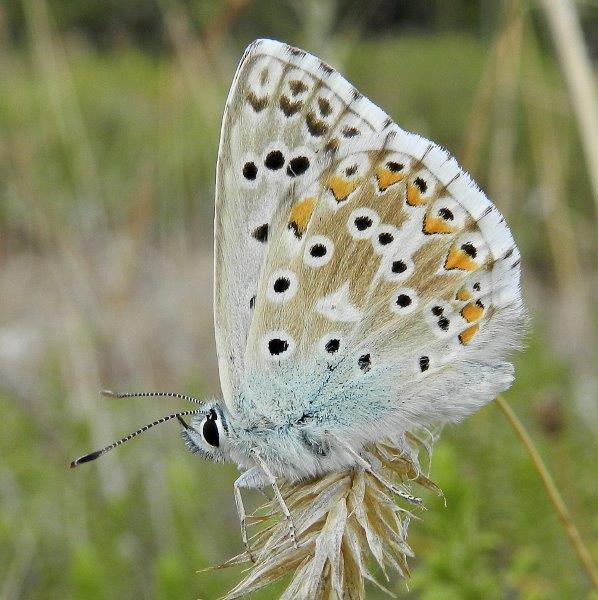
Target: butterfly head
column 207, row 433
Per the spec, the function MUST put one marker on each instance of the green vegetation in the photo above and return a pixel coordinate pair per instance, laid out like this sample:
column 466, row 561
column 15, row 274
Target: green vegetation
column 106, row 188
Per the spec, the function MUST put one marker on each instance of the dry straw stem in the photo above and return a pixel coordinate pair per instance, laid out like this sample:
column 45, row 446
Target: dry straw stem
column 552, row 491
column 340, row 518
column 577, row 69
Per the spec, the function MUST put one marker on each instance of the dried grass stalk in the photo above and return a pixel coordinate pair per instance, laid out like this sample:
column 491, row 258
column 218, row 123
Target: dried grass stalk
column 341, row 519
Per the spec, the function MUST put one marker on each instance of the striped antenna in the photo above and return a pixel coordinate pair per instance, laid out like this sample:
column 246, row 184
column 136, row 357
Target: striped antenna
column 97, row 453
column 111, row 394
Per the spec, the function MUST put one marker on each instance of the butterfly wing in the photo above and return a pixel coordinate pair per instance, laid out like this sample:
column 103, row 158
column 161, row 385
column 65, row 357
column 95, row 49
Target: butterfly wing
column 278, row 123
column 389, row 285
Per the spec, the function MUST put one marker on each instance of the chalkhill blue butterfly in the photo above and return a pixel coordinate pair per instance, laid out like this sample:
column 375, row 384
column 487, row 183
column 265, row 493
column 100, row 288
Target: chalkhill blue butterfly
column 364, row 286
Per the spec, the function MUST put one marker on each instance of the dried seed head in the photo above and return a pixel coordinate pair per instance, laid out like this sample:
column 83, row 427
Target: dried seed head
column 341, row 519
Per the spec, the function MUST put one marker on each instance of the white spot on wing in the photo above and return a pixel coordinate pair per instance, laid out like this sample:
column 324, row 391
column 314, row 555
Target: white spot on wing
column 337, row 306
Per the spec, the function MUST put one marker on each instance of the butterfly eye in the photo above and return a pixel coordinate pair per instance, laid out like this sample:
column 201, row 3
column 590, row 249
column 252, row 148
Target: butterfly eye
column 209, row 430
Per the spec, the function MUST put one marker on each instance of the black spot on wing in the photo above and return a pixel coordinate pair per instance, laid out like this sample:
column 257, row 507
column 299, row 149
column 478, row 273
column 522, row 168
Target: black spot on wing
column 297, row 166
column 362, row 223
column 315, row 126
column 365, row 362
column 420, row 184
column 261, row 233
column 277, row 346
column 274, row 160
column 350, row 132
column 318, row 250
column 332, row 345
column 403, row 300
column 281, row 285
column 250, row 170
column 398, row 266
column 470, row 250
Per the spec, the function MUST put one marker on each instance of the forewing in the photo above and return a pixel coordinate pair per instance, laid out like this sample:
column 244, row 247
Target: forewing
column 286, row 114
column 390, row 289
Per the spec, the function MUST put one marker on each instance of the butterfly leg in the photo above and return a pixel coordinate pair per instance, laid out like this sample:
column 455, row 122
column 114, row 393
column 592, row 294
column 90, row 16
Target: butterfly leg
column 252, row 478
column 283, row 507
column 365, row 465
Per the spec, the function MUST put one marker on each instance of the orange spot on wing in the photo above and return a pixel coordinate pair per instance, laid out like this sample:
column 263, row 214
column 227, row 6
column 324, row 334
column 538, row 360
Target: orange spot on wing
column 472, row 312
column 466, row 336
column 341, row 188
column 414, row 195
column 300, row 215
column 386, row 178
column 458, row 259
column 437, row 225
column 463, row 295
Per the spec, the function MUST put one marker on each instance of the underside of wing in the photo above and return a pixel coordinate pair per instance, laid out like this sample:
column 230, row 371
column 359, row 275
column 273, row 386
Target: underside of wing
column 287, row 113
column 389, row 288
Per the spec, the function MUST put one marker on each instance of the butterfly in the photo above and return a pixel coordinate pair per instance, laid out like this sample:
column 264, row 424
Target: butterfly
column 365, row 287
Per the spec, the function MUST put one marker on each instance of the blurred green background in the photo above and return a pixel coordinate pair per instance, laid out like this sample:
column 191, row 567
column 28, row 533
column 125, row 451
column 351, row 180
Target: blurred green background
column 109, row 121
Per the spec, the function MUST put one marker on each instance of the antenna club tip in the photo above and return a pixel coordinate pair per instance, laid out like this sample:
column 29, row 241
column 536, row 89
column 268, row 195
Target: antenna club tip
column 73, row 464
column 87, row 458
column 108, row 394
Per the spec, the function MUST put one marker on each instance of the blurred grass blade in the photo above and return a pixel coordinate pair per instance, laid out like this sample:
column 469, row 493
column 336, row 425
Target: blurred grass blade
column 552, row 491
column 577, row 69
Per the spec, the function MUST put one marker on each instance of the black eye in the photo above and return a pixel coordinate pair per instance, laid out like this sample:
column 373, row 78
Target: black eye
column 210, row 432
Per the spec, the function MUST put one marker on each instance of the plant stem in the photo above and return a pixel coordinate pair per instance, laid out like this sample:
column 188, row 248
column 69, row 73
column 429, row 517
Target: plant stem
column 574, row 55
column 553, row 494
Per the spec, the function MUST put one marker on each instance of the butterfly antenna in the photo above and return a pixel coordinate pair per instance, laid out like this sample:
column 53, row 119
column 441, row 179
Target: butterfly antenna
column 111, row 394
column 97, row 453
